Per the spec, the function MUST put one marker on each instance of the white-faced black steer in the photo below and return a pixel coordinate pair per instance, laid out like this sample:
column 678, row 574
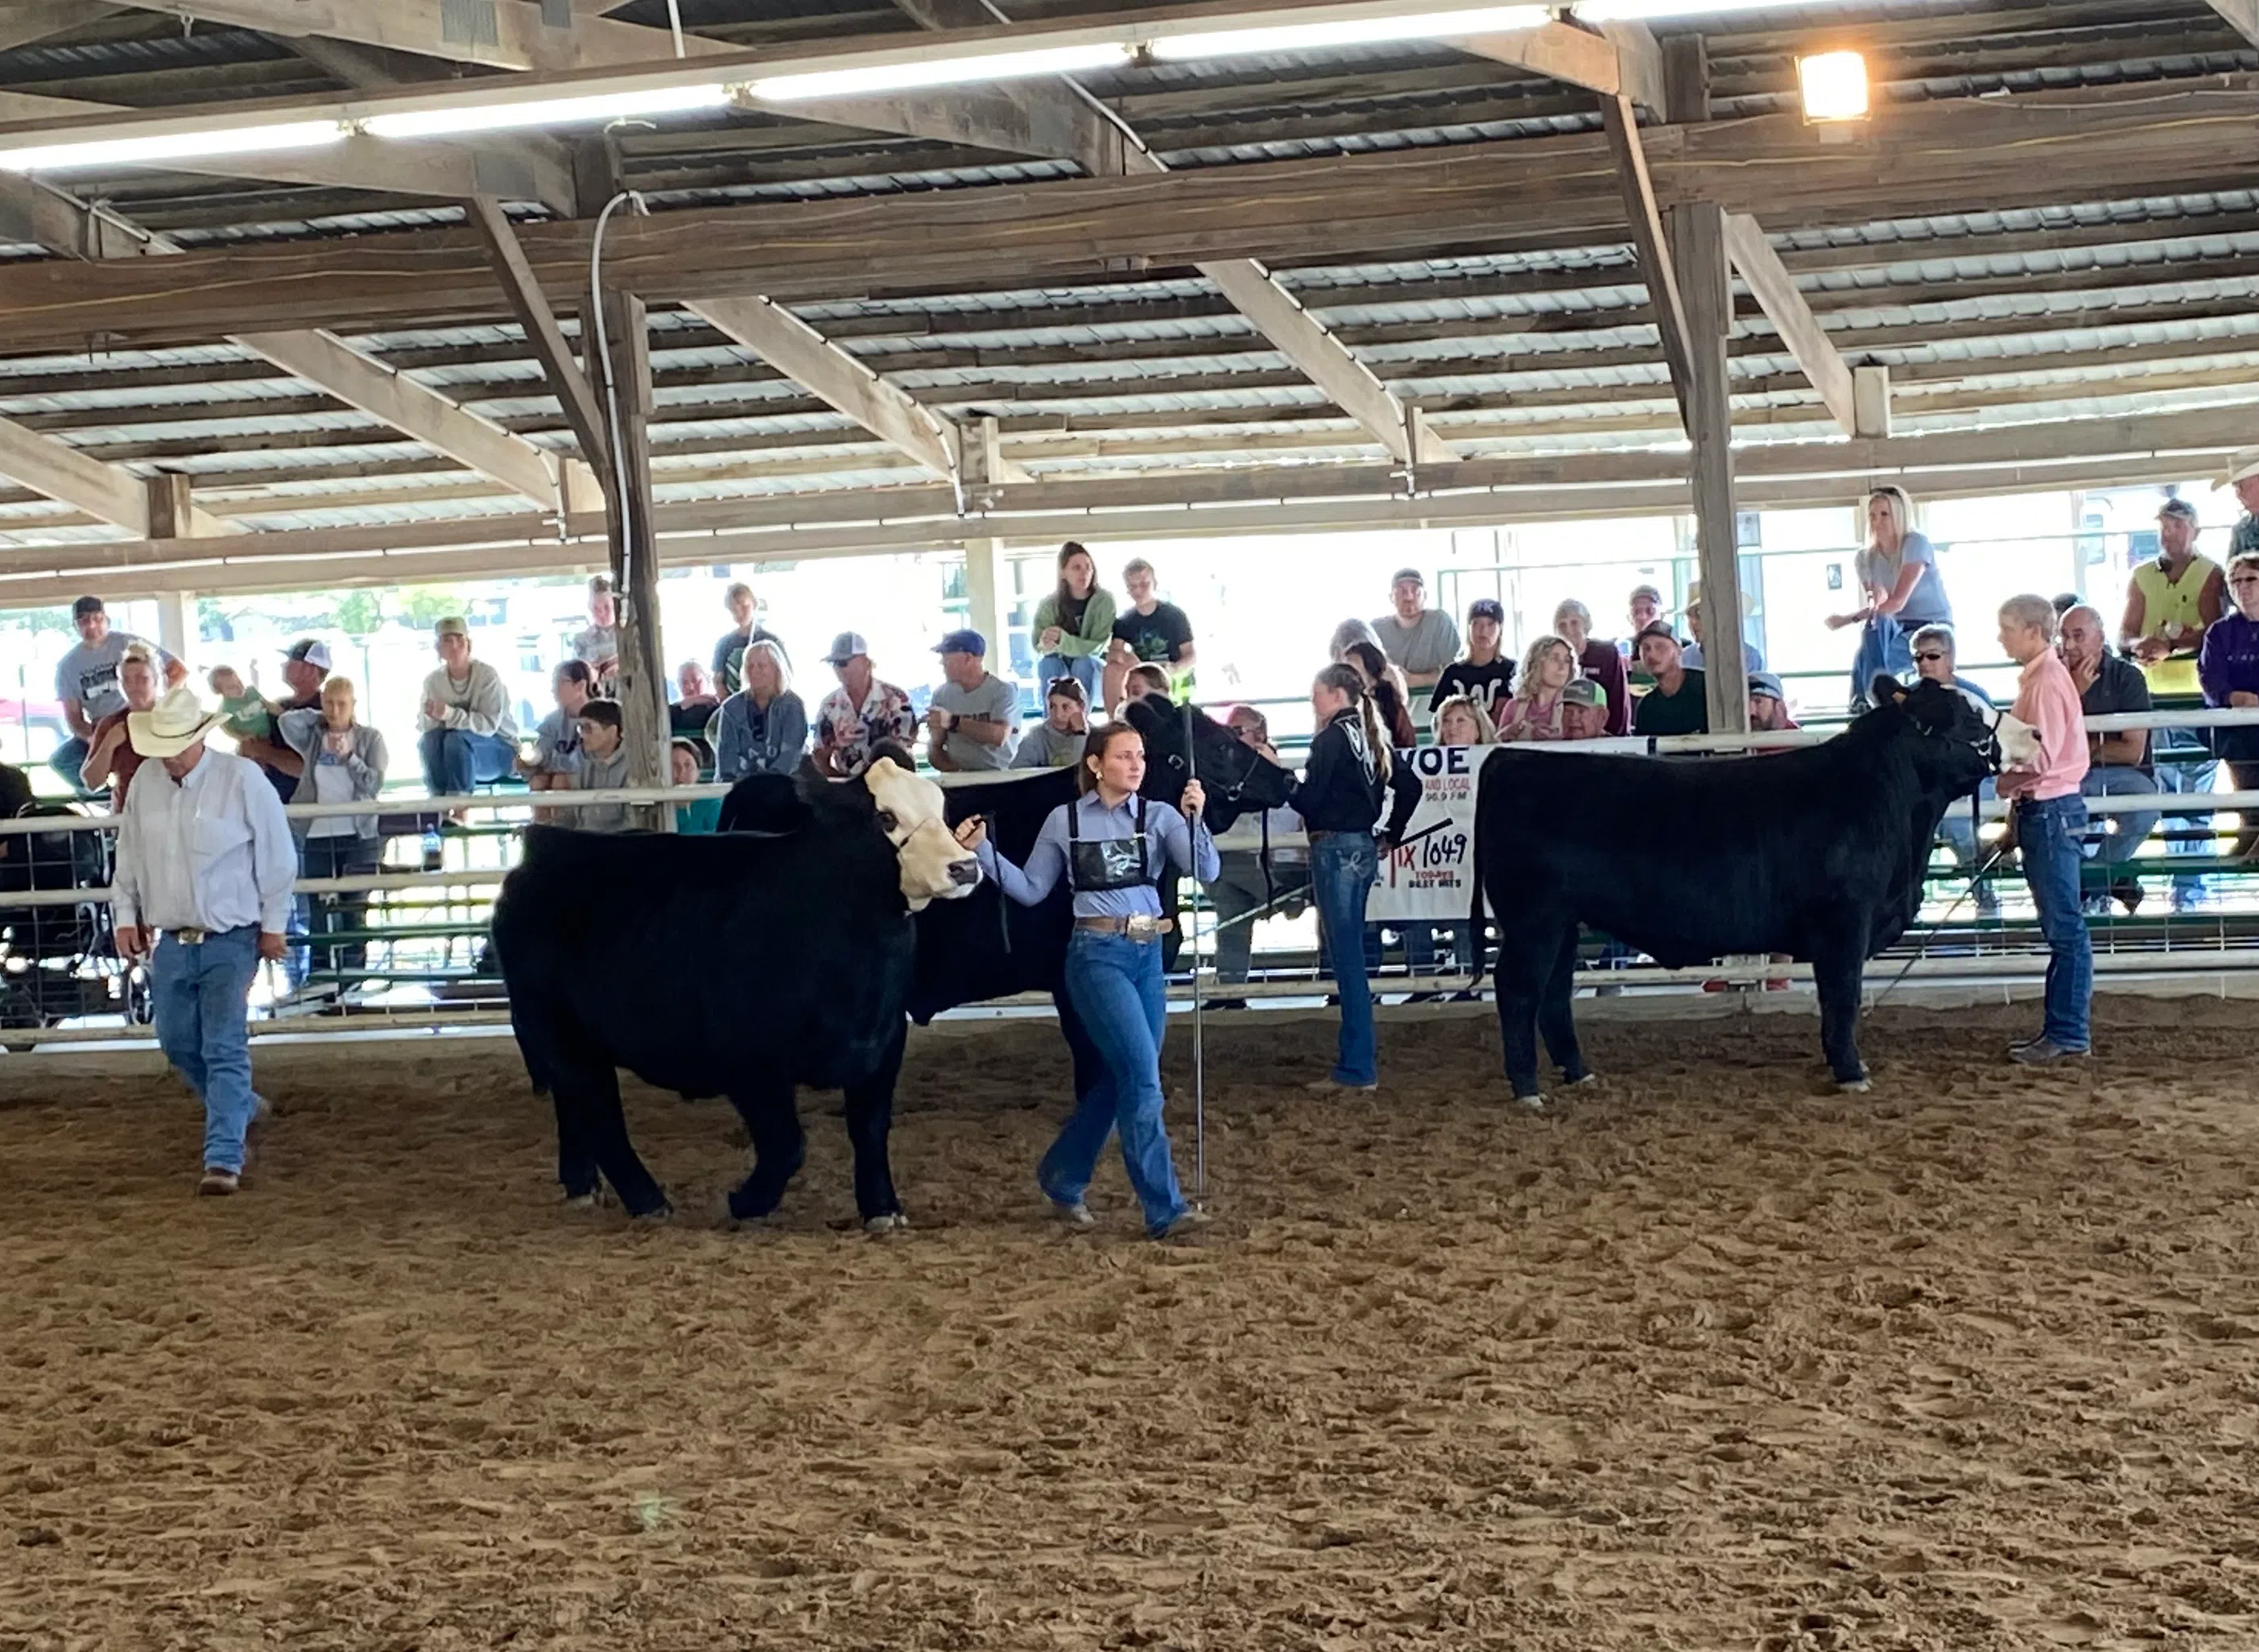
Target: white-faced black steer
column 743, row 965
column 1817, row 852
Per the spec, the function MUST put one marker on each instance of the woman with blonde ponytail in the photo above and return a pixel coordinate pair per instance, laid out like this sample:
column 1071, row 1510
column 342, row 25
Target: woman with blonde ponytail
column 1339, row 800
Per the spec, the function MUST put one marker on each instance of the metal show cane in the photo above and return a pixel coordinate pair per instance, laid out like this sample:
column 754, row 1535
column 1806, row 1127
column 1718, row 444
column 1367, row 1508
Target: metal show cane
column 1200, row 1053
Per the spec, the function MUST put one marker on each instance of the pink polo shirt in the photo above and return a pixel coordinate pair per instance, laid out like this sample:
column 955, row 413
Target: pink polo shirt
column 2047, row 699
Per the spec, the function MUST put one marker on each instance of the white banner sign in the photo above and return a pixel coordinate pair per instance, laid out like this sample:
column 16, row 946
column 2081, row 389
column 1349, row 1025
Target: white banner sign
column 1431, row 874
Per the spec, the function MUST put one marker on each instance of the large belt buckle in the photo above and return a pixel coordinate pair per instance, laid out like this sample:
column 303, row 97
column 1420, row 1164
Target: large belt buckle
column 1141, row 927
column 191, row 937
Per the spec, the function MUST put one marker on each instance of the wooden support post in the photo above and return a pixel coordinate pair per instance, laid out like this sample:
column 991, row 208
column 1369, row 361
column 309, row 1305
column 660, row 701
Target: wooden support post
column 985, row 608
column 629, row 520
column 1686, row 78
column 1871, row 401
column 1698, row 237
column 175, row 635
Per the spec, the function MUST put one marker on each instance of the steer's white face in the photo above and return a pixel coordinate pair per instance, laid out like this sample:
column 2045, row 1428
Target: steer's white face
column 935, row 866
column 2019, row 742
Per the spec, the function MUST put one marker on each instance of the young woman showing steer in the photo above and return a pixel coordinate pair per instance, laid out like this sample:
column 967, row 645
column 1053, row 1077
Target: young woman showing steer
column 1112, row 846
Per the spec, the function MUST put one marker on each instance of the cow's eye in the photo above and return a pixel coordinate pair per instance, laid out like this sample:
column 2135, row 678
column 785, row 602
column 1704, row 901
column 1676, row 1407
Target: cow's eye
column 886, row 820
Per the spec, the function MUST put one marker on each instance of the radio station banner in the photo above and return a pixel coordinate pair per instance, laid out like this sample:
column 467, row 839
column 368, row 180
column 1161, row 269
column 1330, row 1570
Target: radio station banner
column 1431, row 874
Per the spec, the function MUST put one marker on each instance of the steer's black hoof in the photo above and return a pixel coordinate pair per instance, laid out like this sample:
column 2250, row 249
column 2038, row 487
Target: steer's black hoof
column 745, row 1207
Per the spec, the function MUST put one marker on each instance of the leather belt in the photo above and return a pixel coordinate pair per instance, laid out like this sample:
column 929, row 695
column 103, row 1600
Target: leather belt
column 1140, row 927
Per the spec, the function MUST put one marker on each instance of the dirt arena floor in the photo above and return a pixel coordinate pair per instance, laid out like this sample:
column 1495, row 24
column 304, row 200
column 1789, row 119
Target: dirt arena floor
column 1710, row 1359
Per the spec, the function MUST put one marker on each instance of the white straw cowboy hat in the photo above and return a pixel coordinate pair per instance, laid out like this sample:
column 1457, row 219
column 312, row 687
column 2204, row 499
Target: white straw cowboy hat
column 172, row 725
column 2244, row 465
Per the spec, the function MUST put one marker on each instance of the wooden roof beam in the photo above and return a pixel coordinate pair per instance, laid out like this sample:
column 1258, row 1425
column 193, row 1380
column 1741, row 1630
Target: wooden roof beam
column 1775, row 289
column 575, row 393
column 30, row 20
column 1656, row 269
column 1623, row 59
column 2242, row 15
column 107, row 493
column 69, row 228
column 1105, row 148
column 842, row 381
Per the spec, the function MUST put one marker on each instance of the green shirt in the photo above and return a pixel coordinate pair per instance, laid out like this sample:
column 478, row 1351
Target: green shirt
column 1685, row 712
column 1089, row 638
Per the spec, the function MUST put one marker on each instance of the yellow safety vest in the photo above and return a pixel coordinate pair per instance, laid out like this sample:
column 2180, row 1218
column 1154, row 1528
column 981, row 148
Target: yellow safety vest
column 2171, row 609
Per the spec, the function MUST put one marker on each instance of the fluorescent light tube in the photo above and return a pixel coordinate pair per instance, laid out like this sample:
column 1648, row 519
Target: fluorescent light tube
column 1642, row 10
column 1299, row 37
column 1835, row 86
column 547, row 111
column 127, row 152
column 914, row 74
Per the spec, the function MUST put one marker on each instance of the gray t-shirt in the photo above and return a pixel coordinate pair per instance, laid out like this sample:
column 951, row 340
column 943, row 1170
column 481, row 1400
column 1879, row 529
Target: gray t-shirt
column 1927, row 604
column 1421, row 649
column 557, row 744
column 602, row 775
column 88, row 673
column 1044, row 747
column 992, row 698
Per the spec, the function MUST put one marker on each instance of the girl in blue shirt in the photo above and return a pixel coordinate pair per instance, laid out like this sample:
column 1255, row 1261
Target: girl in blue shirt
column 1112, row 846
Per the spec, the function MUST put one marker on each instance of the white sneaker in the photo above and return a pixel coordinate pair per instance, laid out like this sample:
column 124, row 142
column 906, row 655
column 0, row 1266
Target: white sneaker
column 1335, row 1086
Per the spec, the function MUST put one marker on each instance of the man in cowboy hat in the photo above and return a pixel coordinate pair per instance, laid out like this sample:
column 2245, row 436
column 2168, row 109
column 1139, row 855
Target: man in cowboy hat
column 205, row 862
column 2243, row 477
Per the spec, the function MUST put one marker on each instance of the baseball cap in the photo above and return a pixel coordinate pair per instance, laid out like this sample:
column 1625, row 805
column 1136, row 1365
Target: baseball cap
column 1763, row 682
column 2180, row 507
column 2243, row 466
column 1412, row 575
column 1487, row 608
column 1657, row 628
column 85, row 606
column 845, row 647
column 312, row 650
column 1582, row 691
column 965, row 642
column 453, row 625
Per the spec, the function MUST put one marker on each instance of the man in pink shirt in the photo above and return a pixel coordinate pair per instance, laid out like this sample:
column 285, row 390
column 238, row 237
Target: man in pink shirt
column 2050, row 821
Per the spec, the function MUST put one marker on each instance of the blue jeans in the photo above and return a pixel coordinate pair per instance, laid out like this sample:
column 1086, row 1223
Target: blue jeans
column 2047, row 837
column 2128, row 830
column 202, row 1000
column 1342, row 868
column 1084, row 668
column 334, row 914
column 68, row 759
column 1883, row 647
column 455, row 760
column 2188, row 780
column 1115, row 984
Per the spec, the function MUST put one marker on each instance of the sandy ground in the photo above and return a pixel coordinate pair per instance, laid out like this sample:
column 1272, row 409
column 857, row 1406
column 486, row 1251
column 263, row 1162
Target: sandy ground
column 1710, row 1359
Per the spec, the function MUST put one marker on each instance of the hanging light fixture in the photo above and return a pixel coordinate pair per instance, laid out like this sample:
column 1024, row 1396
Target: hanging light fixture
column 1835, row 86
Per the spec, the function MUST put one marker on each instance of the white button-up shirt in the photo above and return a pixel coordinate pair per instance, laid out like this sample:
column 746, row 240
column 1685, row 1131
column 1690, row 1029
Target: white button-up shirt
column 210, row 851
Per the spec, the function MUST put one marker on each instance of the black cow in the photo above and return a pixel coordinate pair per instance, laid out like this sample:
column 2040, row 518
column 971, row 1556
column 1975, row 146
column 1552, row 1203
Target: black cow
column 743, row 965
column 1819, row 852
column 985, row 946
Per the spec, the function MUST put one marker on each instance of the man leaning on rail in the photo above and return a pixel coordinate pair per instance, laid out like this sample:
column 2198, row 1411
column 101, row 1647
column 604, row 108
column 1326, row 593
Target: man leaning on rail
column 202, row 890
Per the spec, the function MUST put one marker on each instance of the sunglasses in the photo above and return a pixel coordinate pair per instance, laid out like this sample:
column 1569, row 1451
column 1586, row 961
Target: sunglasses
column 1930, row 660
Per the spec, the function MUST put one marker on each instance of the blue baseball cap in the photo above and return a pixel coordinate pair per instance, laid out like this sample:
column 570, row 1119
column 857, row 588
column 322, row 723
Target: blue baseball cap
column 962, row 642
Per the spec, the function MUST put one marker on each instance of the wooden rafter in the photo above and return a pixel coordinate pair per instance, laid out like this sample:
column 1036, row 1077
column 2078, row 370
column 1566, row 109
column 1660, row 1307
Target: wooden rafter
column 523, row 291
column 1656, row 268
column 1775, row 289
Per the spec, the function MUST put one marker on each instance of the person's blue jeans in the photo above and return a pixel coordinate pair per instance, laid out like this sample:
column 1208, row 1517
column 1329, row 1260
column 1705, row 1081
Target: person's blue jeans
column 2127, row 831
column 202, row 997
column 2047, row 837
column 68, row 759
column 2188, row 832
column 1115, row 985
column 455, row 760
column 1084, row 668
column 1342, row 868
column 341, row 857
column 1957, row 831
column 1883, row 647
